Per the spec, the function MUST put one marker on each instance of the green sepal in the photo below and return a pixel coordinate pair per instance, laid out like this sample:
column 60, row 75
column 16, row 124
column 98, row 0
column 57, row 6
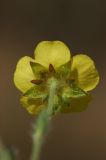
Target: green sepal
column 33, row 106
column 36, row 92
column 34, row 99
column 74, row 99
column 76, row 104
column 36, row 95
column 72, row 91
column 65, row 69
column 38, row 70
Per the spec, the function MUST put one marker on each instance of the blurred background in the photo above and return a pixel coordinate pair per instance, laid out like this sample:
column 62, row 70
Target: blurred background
column 81, row 24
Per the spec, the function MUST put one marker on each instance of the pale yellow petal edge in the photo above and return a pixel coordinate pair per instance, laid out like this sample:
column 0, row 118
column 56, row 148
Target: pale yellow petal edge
column 87, row 76
column 23, row 74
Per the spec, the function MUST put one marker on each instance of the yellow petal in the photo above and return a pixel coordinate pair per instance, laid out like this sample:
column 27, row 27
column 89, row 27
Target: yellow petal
column 84, row 72
column 55, row 53
column 31, row 106
column 77, row 104
column 23, row 74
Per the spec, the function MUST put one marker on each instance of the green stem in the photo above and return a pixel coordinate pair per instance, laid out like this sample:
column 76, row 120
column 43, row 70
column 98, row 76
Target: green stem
column 43, row 121
column 6, row 153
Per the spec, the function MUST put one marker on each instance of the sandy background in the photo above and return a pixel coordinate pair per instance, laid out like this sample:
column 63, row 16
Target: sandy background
column 81, row 24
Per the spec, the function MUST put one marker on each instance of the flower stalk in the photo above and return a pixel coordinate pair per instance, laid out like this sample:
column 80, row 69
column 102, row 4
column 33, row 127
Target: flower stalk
column 43, row 122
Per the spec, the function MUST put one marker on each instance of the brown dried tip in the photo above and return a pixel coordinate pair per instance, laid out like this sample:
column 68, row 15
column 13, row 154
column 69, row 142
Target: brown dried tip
column 31, row 63
column 51, row 68
column 37, row 81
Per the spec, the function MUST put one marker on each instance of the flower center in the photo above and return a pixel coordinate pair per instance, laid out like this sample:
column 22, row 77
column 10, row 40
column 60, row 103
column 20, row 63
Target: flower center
column 66, row 87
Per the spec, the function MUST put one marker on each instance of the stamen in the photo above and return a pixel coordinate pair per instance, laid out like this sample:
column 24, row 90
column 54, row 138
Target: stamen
column 51, row 68
column 37, row 81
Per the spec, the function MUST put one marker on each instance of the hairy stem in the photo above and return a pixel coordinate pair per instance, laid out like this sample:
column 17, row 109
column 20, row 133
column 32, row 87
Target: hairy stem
column 43, row 121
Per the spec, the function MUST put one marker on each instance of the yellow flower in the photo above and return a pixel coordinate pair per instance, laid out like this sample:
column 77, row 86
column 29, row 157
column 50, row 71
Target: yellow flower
column 55, row 53
column 76, row 76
